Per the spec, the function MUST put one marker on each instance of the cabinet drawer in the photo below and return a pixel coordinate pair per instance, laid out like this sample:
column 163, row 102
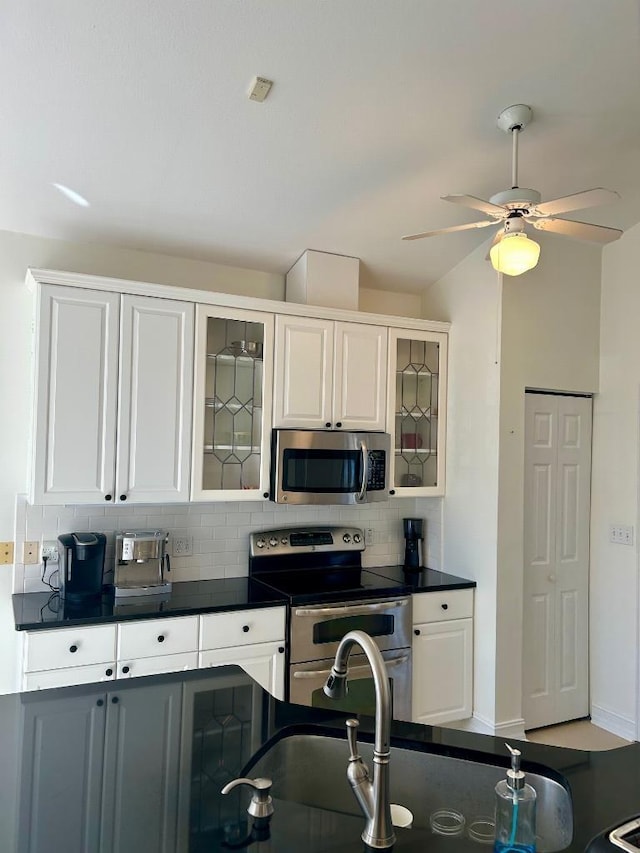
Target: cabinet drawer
column 154, row 665
column 242, row 628
column 69, row 647
column 440, row 606
column 69, row 676
column 155, row 637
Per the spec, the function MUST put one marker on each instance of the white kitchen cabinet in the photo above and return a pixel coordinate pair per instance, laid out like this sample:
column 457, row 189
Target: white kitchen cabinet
column 232, row 404
column 113, row 397
column 329, row 374
column 153, row 646
column 69, row 647
column 97, row 768
column 442, row 656
column 252, row 639
column 417, row 411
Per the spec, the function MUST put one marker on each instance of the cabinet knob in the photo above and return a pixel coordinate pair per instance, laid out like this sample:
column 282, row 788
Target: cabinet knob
column 73, row 649
column 108, row 671
column 115, row 700
column 392, row 491
column 416, row 631
column 444, row 606
column 161, row 638
column 107, row 497
column 123, row 497
column 265, row 494
column 328, row 424
column 339, row 424
column 100, row 703
column 281, row 650
column 245, row 628
column 125, row 669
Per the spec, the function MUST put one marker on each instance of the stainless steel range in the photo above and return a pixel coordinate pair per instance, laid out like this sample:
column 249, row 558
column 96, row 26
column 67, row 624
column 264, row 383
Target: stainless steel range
column 319, row 570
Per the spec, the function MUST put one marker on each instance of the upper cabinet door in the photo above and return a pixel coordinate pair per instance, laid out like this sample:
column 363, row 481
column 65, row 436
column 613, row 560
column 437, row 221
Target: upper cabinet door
column 417, row 411
column 232, row 404
column 155, row 400
column 303, row 375
column 360, row 376
column 76, row 396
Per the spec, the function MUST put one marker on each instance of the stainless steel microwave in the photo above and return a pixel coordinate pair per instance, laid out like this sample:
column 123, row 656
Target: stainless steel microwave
column 329, row 466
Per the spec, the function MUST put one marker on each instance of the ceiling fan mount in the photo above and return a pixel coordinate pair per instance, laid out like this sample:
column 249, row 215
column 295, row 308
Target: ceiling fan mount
column 514, row 207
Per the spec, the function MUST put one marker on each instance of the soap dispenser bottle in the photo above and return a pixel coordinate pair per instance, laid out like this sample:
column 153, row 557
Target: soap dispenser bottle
column 515, row 810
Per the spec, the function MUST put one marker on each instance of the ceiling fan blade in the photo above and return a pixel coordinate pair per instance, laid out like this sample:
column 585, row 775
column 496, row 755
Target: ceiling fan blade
column 466, row 227
column 579, row 230
column 577, row 201
column 477, row 204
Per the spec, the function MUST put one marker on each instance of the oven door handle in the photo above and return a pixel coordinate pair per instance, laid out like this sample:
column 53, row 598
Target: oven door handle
column 316, row 673
column 365, row 472
column 355, row 610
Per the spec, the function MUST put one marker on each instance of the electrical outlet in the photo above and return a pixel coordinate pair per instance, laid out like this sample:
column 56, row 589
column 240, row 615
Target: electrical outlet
column 30, row 553
column 621, row 534
column 50, row 551
column 368, row 536
column 6, row 553
column 182, row 546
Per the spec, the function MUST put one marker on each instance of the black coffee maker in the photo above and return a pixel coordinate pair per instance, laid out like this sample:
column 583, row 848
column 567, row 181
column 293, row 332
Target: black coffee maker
column 81, row 565
column 413, row 537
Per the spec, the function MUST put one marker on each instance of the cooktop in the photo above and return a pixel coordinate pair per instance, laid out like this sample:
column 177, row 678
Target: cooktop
column 309, row 586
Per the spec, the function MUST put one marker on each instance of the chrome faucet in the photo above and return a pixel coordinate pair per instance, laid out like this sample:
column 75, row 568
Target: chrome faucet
column 373, row 797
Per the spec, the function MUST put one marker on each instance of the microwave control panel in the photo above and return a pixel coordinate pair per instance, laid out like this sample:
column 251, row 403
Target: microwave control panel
column 377, row 469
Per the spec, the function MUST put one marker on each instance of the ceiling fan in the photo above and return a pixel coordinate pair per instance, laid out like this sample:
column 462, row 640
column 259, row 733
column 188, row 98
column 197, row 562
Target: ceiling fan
column 512, row 251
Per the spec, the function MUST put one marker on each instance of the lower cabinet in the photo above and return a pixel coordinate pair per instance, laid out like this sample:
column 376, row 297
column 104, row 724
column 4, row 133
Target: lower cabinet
column 98, row 767
column 442, row 657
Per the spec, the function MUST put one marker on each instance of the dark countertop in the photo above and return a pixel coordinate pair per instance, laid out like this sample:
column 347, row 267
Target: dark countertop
column 37, row 610
column 219, row 738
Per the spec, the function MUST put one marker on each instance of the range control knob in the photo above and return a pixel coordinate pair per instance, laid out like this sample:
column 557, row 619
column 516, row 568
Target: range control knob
column 284, row 541
column 346, row 538
column 357, row 538
column 273, row 541
column 260, row 543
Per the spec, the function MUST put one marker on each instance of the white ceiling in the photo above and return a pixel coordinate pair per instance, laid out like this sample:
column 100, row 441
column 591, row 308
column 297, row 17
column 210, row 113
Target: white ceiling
column 377, row 109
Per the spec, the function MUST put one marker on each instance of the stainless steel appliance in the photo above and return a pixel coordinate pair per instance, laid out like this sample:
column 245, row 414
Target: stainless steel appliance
column 329, row 466
column 81, row 558
column 142, row 563
column 319, row 570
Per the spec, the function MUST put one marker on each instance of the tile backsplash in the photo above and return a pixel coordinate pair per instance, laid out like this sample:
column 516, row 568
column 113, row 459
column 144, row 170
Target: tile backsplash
column 220, row 531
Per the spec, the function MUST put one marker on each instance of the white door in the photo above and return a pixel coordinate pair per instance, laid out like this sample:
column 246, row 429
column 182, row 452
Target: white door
column 556, row 558
column 360, row 376
column 303, row 375
column 76, row 382
column 156, row 400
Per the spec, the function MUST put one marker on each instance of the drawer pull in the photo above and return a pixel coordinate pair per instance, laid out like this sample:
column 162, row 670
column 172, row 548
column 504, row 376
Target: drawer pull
column 281, row 650
column 100, row 703
column 115, row 700
column 245, row 628
column 73, row 649
column 416, row 631
column 444, row 606
column 161, row 638
column 125, row 669
column 109, row 672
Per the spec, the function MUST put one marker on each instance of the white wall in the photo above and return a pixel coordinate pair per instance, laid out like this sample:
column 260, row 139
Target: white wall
column 614, row 568
column 390, row 302
column 469, row 296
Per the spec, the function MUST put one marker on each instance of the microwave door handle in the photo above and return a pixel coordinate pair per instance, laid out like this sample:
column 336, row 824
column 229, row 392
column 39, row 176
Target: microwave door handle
column 365, row 471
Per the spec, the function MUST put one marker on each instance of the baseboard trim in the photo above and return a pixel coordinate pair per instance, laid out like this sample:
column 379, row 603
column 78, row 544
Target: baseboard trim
column 614, row 723
column 484, row 726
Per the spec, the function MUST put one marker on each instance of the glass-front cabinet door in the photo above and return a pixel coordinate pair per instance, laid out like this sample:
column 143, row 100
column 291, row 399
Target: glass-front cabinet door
column 417, row 411
column 232, row 409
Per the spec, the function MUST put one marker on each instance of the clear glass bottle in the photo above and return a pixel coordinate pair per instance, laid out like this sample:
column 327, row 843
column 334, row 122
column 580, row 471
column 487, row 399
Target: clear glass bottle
column 515, row 811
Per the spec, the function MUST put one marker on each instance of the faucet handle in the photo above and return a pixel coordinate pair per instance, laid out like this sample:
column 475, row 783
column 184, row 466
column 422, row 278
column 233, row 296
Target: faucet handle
column 261, row 804
column 352, row 738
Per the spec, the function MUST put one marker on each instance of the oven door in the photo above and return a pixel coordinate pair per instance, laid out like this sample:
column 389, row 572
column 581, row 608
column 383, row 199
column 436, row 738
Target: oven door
column 306, row 681
column 316, row 631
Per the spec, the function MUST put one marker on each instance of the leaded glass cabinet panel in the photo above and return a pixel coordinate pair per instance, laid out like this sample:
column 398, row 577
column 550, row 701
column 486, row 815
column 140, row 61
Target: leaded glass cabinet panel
column 417, row 419
column 234, row 354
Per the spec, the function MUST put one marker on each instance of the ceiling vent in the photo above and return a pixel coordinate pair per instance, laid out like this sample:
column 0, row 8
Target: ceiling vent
column 320, row 278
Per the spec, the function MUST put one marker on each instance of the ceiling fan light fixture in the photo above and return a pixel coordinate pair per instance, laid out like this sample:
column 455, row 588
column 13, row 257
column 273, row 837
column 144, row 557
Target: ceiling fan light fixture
column 514, row 254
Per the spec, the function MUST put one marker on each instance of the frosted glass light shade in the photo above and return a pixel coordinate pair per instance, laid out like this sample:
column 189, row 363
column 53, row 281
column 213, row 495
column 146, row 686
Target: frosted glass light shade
column 514, row 254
